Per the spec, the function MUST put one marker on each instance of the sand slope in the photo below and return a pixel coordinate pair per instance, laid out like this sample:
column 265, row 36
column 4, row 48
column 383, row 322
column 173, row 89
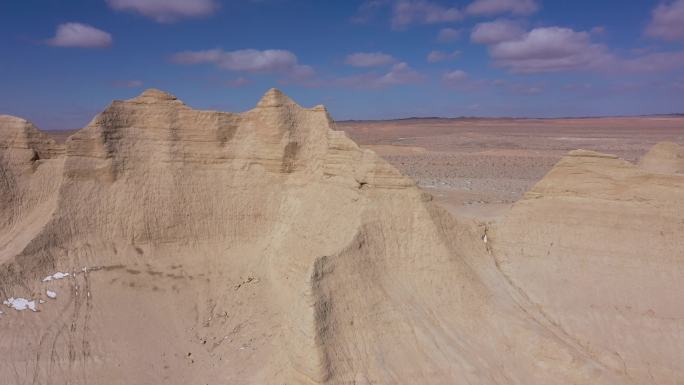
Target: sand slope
column 665, row 158
column 598, row 246
column 262, row 248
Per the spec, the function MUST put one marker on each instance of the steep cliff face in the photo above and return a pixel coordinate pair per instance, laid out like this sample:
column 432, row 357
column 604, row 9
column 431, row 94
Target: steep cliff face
column 597, row 245
column 259, row 248
column 30, row 168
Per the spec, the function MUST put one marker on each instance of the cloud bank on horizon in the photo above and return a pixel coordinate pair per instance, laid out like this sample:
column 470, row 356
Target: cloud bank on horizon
column 365, row 58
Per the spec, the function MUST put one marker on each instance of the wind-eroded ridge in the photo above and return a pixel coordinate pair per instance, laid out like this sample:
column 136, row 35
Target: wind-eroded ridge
column 265, row 247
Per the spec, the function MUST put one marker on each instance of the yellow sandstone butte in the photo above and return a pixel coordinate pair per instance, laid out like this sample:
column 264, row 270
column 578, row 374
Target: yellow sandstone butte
column 265, row 247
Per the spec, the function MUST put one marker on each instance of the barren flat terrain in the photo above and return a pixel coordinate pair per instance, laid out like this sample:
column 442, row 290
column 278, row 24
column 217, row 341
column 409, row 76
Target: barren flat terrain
column 479, row 167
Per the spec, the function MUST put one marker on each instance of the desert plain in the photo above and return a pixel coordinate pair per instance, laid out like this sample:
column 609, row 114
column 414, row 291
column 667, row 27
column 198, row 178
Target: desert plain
column 479, row 167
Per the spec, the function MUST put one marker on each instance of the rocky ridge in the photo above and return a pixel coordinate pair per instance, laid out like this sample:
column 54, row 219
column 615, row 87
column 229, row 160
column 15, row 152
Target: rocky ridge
column 265, row 247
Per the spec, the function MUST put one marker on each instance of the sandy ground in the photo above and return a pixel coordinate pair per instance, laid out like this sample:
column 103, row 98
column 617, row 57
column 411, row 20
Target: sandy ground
column 479, row 167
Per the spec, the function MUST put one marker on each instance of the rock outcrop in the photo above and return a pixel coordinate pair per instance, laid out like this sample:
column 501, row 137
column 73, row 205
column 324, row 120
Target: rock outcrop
column 664, row 158
column 30, row 168
column 597, row 246
column 181, row 246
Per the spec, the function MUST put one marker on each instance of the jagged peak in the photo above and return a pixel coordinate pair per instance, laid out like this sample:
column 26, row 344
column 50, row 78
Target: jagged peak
column 9, row 123
column 20, row 133
column 275, row 98
column 6, row 119
column 153, row 95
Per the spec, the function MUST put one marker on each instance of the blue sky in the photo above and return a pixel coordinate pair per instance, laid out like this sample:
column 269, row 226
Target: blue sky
column 64, row 61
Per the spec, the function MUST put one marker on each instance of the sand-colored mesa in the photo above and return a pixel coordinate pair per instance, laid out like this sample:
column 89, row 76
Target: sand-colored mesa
column 166, row 245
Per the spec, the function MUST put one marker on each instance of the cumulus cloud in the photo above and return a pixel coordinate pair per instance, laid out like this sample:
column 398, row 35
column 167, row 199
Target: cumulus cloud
column 80, row 36
column 447, row 35
column 550, row 49
column 245, row 60
column 270, row 61
column 370, row 59
column 667, row 21
column 495, row 7
column 438, row 56
column 398, row 74
column 454, row 77
column 166, row 11
column 496, row 31
column 407, row 12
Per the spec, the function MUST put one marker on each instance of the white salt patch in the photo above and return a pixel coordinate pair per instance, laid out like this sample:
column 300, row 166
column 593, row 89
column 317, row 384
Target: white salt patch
column 51, row 294
column 20, row 304
column 55, row 276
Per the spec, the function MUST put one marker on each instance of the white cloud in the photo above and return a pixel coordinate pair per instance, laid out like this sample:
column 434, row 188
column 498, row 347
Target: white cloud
column 447, row 35
column 550, row 49
column 407, row 12
column 270, row 61
column 399, row 74
column 494, row 7
column 455, row 76
column 496, row 31
column 438, row 56
column 369, row 59
column 80, row 36
column 667, row 21
column 166, row 11
column 245, row 60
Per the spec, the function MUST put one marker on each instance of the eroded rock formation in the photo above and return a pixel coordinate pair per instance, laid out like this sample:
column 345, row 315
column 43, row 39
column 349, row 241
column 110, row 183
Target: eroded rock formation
column 598, row 245
column 664, row 158
column 267, row 248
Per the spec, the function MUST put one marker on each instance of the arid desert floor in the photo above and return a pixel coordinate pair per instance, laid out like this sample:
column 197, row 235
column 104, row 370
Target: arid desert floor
column 480, row 167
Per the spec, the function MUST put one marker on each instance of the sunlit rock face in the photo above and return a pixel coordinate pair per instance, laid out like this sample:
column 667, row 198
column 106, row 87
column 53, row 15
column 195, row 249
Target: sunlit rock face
column 597, row 245
column 265, row 247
